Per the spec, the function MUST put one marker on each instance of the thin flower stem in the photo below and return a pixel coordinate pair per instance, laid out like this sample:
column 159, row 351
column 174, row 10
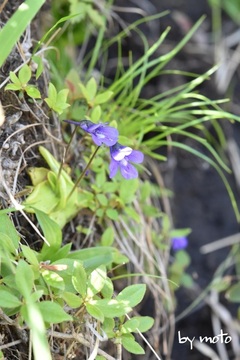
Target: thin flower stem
column 65, row 152
column 83, row 173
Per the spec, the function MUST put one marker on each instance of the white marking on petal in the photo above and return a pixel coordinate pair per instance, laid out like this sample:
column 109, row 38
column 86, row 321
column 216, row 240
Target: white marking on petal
column 122, row 153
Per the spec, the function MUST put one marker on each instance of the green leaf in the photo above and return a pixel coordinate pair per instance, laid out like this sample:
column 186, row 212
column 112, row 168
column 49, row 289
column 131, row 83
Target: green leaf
column 112, row 214
column 84, row 92
column 24, row 75
column 132, row 295
column 51, row 231
column 233, row 294
column 96, row 113
column 30, row 255
column 129, row 343
column 72, row 300
column 15, row 79
column 107, row 290
column 107, row 237
column 132, row 213
column 14, row 28
column 52, row 93
column 111, row 308
column 94, row 257
column 13, row 87
column 24, row 278
column 53, row 279
column 38, row 60
column 7, row 227
column 128, row 190
column 62, row 98
column 32, row 315
column 179, row 232
column 103, row 200
column 79, row 279
column 91, row 88
column 96, row 281
column 182, row 258
column 103, row 98
column 53, row 313
column 61, row 253
column 8, row 300
column 94, row 311
column 141, row 323
column 57, row 101
column 33, row 92
column 108, row 327
column 7, row 244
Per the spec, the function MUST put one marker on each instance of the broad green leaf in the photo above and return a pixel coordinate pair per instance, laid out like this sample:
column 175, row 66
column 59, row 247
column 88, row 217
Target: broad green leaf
column 52, row 93
column 112, row 214
column 179, row 232
column 107, row 237
column 132, row 213
column 24, row 75
column 130, row 326
column 7, row 244
column 108, row 327
column 132, row 295
column 13, row 87
column 103, row 200
column 79, row 279
column 91, row 88
column 128, row 190
column 33, row 92
column 129, row 343
column 96, row 281
column 94, row 311
column 96, row 113
column 7, row 227
column 107, row 290
column 62, row 98
column 30, row 255
column 61, row 253
column 24, row 278
column 99, row 255
column 53, row 279
column 233, row 294
column 51, row 231
column 8, row 300
column 36, row 295
column 103, row 98
column 111, row 308
column 182, row 258
column 72, row 300
column 141, row 323
column 84, row 92
column 52, row 312
column 15, row 79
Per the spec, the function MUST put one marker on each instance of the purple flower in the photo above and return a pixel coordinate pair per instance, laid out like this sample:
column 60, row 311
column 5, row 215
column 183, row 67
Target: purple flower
column 121, row 158
column 179, row 243
column 101, row 133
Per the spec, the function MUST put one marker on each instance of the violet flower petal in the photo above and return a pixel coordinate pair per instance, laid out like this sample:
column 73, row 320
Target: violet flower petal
column 136, row 157
column 128, row 171
column 179, row 243
column 113, row 168
column 107, row 134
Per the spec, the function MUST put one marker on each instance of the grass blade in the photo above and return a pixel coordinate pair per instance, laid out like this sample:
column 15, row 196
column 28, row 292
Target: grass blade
column 11, row 32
